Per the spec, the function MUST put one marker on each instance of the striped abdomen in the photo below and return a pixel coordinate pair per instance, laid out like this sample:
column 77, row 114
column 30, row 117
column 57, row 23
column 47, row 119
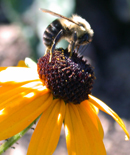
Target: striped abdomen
column 51, row 32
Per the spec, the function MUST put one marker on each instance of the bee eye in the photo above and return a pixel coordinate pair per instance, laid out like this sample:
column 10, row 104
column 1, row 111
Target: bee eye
column 85, row 38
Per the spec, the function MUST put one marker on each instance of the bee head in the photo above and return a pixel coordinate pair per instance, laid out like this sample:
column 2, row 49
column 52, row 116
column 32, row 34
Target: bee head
column 85, row 38
column 85, row 33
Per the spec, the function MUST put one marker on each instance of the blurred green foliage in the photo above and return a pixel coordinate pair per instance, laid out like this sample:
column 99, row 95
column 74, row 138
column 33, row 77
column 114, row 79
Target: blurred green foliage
column 19, row 6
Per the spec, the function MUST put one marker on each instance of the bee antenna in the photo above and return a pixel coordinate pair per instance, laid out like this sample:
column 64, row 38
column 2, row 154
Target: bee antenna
column 81, row 50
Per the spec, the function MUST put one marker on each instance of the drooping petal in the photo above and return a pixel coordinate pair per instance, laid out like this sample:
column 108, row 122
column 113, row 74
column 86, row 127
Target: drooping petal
column 46, row 135
column 102, row 106
column 82, row 137
column 92, row 113
column 22, row 105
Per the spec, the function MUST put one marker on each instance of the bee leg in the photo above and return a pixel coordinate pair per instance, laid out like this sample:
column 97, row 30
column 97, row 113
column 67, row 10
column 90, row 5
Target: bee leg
column 47, row 50
column 55, row 41
column 71, row 45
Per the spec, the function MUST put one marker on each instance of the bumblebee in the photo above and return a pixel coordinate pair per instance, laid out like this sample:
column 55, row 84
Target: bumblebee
column 76, row 30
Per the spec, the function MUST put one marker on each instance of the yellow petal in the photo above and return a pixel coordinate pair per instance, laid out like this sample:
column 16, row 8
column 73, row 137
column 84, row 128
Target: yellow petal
column 102, row 106
column 21, row 106
column 13, row 77
column 3, row 68
column 30, row 63
column 21, row 63
column 46, row 135
column 92, row 133
column 92, row 113
column 20, row 92
column 17, row 74
column 82, row 137
column 95, row 109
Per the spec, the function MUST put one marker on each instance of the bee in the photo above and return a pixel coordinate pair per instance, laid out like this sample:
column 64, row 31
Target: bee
column 76, row 30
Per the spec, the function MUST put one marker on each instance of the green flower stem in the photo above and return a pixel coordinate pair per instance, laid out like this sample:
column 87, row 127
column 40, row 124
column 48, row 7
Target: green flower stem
column 15, row 138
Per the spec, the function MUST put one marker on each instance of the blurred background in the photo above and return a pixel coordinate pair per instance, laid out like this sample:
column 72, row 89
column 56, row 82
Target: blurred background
column 21, row 29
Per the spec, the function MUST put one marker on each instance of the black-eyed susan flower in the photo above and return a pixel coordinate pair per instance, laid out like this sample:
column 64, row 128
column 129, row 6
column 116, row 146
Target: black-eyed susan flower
column 61, row 93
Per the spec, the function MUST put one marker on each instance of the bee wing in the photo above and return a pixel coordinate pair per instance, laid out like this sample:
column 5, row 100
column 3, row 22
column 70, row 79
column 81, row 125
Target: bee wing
column 58, row 15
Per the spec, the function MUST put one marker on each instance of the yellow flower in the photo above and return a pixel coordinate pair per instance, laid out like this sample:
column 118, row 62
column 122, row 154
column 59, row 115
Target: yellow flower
column 24, row 97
